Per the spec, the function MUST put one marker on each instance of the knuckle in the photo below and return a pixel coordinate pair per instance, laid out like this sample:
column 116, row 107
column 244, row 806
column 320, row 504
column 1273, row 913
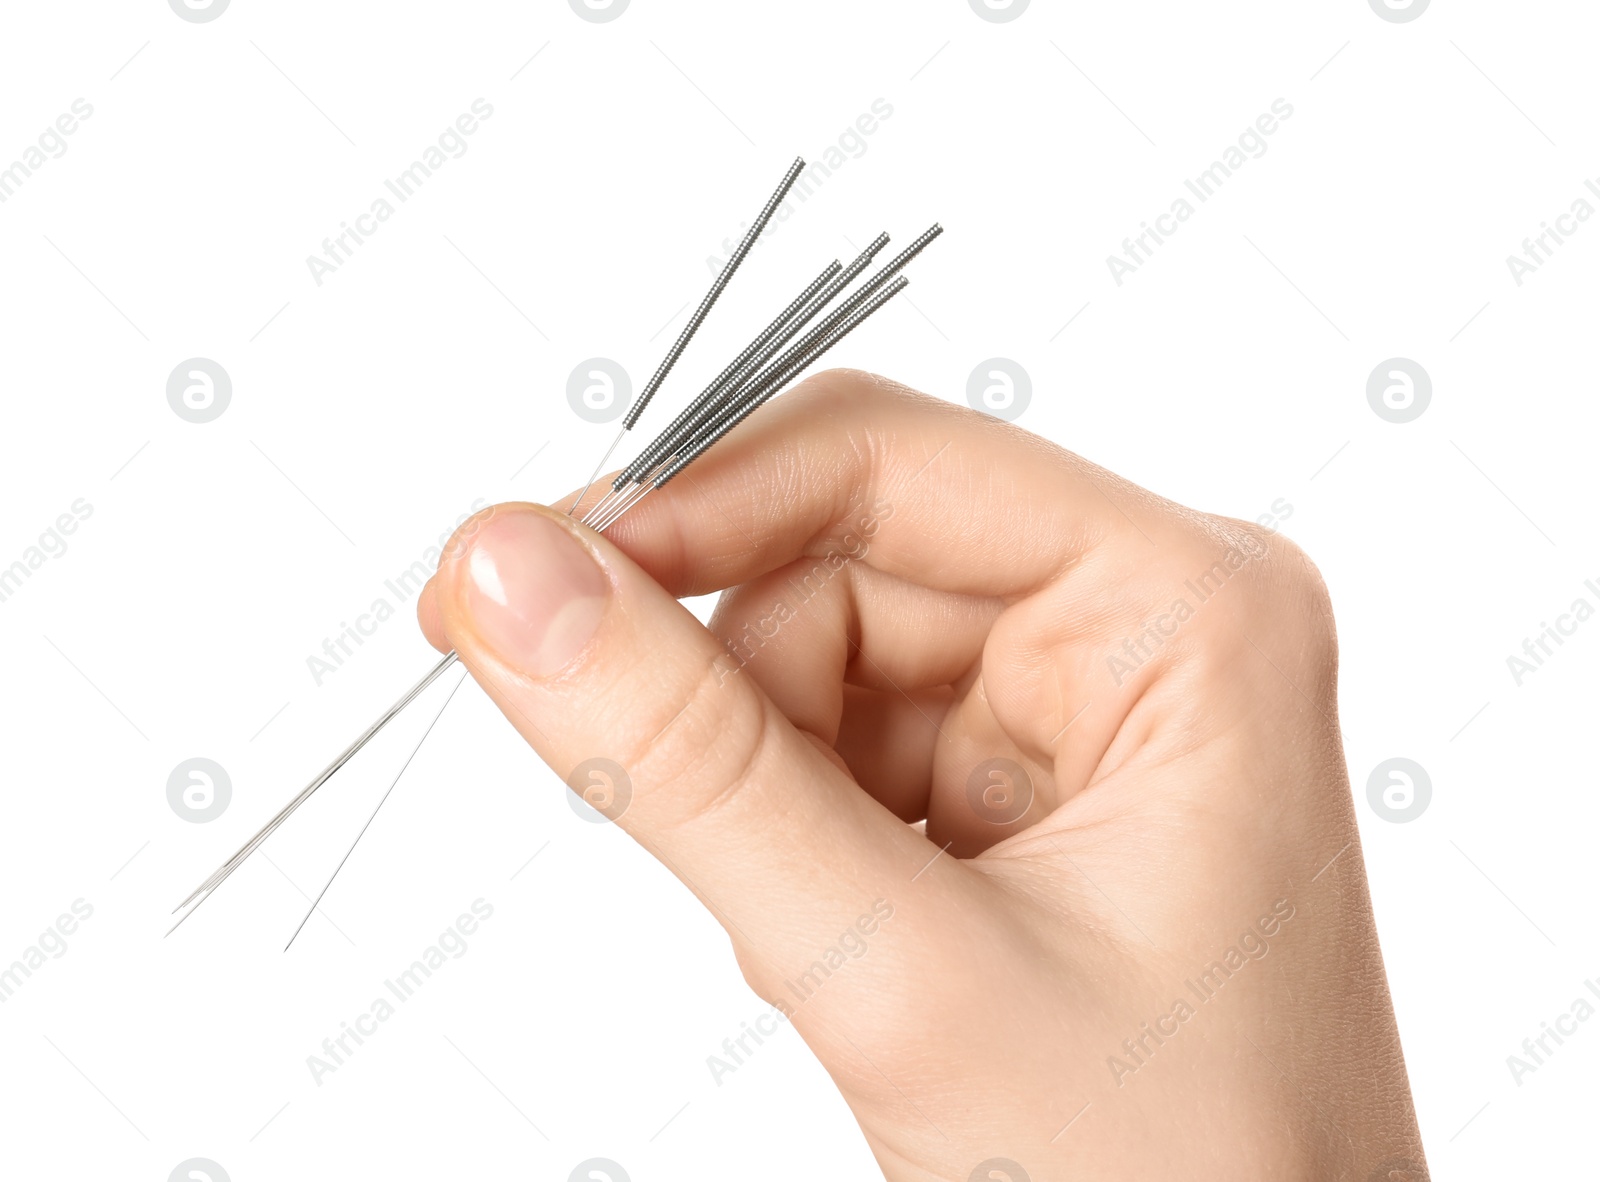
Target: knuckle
column 1281, row 583
column 1287, row 588
column 842, row 392
column 1303, row 592
column 829, row 392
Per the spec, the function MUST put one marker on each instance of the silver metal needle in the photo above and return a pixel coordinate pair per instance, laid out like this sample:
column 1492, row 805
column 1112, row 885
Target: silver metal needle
column 376, row 807
column 595, row 475
column 734, row 395
column 757, row 228
column 205, row 889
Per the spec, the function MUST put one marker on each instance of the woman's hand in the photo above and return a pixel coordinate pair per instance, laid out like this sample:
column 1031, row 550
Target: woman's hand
column 1135, row 938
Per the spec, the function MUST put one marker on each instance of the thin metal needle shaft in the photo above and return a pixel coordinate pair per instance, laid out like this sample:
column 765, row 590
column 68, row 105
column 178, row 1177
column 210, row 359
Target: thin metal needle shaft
column 344, row 757
column 692, row 422
column 378, row 806
column 748, row 381
column 755, row 231
column 816, row 343
column 595, row 475
column 802, row 304
column 205, row 889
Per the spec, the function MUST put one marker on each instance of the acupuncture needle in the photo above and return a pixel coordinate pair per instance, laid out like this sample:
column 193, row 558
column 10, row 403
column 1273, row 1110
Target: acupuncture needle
column 717, row 285
column 773, row 338
column 676, row 449
column 376, row 807
column 799, row 310
column 752, row 396
column 811, row 347
column 205, row 889
column 801, row 301
column 666, row 445
column 736, row 368
column 749, row 398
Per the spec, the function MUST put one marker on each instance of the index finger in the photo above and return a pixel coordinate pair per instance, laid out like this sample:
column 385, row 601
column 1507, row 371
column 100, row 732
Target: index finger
column 940, row 495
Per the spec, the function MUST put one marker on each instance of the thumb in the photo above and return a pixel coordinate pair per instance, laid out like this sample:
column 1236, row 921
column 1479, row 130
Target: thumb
column 623, row 692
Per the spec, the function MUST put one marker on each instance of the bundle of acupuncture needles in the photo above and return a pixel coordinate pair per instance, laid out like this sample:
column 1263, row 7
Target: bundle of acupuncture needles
column 761, row 370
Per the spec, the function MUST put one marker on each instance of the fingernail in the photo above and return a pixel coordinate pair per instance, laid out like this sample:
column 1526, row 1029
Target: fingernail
column 535, row 594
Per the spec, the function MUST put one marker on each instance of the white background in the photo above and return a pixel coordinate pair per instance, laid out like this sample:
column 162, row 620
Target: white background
column 370, row 412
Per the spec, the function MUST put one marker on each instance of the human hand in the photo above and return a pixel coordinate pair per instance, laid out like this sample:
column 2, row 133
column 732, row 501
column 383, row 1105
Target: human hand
column 1135, row 940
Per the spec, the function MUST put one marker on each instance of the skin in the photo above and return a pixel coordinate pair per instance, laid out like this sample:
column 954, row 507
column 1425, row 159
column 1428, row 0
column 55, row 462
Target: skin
column 971, row 587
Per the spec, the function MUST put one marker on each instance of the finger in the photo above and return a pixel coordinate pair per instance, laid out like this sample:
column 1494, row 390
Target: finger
column 592, row 661
column 888, row 741
column 806, row 630
column 801, row 654
column 428, row 618
column 940, row 495
column 985, row 786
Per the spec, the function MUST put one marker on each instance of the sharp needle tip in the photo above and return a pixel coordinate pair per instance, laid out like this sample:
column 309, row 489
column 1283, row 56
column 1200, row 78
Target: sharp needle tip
column 299, row 929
